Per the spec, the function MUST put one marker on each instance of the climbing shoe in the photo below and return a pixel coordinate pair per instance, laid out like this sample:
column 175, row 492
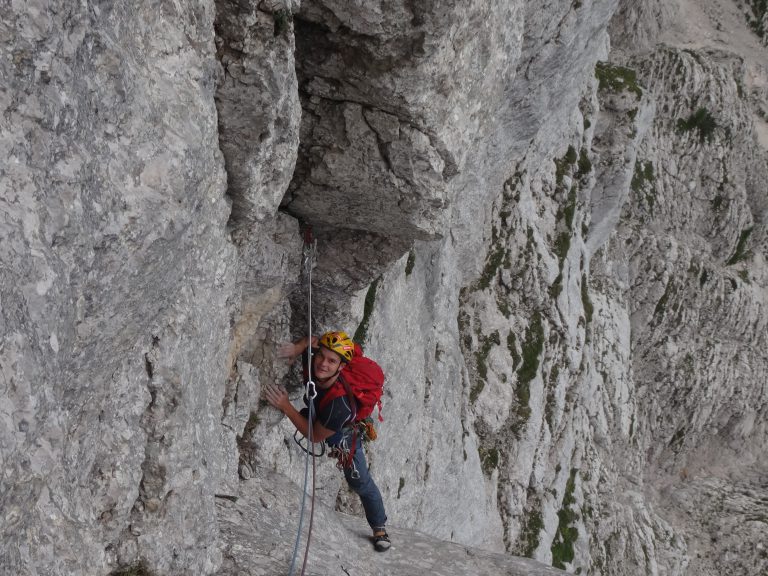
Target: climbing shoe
column 381, row 540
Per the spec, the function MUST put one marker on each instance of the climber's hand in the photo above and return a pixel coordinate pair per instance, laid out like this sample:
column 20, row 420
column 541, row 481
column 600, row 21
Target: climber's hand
column 290, row 351
column 277, row 396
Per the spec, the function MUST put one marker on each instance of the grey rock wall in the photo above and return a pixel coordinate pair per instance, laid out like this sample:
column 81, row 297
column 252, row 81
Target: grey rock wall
column 257, row 104
column 115, row 267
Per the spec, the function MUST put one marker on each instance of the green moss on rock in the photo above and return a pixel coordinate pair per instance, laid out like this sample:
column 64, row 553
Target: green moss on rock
column 617, row 79
column 410, row 263
column 531, row 349
column 584, row 166
column 370, row 299
column 512, row 347
column 701, row 121
column 489, row 459
column 566, row 535
column 493, row 262
column 563, row 165
column 741, row 252
column 529, row 534
column 586, row 302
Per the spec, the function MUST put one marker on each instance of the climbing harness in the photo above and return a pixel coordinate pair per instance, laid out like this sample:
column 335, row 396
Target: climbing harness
column 304, row 445
column 344, row 451
column 309, row 253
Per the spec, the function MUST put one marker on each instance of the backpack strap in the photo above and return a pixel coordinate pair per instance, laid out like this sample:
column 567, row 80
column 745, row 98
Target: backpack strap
column 353, row 405
column 339, row 388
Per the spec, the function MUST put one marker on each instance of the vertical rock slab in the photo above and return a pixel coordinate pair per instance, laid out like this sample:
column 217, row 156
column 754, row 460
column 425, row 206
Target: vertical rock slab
column 258, row 105
column 115, row 276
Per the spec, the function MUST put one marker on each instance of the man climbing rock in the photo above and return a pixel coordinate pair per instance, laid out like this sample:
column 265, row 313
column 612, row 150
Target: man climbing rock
column 337, row 409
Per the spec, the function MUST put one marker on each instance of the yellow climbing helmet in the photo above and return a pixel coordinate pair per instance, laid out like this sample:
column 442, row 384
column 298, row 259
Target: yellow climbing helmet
column 340, row 343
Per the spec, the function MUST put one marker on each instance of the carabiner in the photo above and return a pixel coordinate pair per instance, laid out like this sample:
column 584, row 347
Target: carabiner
column 311, row 391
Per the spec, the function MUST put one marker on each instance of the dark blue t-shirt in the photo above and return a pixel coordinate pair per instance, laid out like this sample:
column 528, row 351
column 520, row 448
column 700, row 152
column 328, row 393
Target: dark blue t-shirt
column 333, row 415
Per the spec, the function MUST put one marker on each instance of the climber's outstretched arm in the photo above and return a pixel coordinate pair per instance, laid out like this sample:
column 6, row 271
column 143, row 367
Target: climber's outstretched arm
column 293, row 350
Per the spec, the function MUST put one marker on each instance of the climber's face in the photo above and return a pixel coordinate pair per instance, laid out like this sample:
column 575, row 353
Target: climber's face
column 326, row 365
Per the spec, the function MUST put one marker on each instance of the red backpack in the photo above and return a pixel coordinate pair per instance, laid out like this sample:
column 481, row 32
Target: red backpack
column 362, row 380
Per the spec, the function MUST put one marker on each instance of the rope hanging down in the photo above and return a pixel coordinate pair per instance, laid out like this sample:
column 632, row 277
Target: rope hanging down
column 309, row 252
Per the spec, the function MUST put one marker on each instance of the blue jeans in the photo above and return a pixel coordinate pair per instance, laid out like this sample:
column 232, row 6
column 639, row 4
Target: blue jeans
column 363, row 484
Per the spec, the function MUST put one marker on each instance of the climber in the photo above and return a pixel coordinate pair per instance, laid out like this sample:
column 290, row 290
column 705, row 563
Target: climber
column 334, row 420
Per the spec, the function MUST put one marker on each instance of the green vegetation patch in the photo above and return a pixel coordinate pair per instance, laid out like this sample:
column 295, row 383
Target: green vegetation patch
column 557, row 287
column 744, row 275
column 741, row 252
column 617, row 79
column 489, row 459
column 643, row 176
column 512, row 347
column 563, row 165
column 569, row 210
column 502, row 303
column 493, row 262
column 529, row 534
column 531, row 349
column 567, row 534
column 759, row 9
column 410, row 263
column 702, row 121
column 370, row 299
column 283, row 19
column 586, row 302
column 562, row 244
column 400, row 487
column 584, row 165
column 476, row 390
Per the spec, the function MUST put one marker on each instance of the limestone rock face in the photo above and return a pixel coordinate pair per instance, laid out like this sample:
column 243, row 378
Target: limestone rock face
column 342, row 543
column 697, row 195
column 258, row 105
column 636, row 26
column 546, row 221
column 115, row 267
